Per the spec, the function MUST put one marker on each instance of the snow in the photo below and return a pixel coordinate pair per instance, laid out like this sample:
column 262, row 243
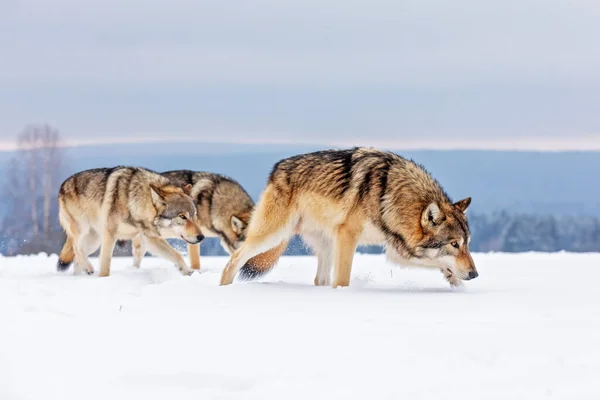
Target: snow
column 527, row 328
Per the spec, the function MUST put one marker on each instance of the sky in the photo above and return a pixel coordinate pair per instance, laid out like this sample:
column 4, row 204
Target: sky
column 407, row 74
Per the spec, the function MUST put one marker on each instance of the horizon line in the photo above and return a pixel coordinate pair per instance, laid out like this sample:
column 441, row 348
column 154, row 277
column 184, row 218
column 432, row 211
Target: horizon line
column 588, row 143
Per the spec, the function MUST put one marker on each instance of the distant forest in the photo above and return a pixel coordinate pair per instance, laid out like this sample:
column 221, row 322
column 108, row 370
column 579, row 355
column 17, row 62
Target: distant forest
column 500, row 232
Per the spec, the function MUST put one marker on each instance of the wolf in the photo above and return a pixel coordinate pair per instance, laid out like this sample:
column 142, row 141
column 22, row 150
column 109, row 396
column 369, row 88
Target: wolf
column 223, row 210
column 338, row 199
column 99, row 206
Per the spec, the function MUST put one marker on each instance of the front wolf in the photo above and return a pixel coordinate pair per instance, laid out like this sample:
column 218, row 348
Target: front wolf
column 338, row 199
column 223, row 210
column 99, row 206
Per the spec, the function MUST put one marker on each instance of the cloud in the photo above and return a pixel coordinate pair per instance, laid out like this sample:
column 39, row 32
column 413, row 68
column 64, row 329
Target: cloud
column 330, row 67
column 328, row 42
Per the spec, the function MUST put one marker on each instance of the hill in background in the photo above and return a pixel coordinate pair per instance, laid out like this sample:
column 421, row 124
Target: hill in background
column 522, row 201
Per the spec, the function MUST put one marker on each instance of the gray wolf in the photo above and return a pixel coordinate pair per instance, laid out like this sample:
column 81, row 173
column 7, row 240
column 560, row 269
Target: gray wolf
column 99, row 206
column 338, row 199
column 223, row 210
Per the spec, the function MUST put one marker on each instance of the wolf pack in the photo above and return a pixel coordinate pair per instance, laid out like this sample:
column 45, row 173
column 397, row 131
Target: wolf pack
column 335, row 200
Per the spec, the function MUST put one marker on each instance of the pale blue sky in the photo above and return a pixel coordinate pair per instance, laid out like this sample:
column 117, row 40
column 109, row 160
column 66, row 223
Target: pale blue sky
column 422, row 73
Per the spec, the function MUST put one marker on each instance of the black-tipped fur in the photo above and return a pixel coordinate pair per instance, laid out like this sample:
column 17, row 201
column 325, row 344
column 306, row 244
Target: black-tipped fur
column 63, row 265
column 249, row 273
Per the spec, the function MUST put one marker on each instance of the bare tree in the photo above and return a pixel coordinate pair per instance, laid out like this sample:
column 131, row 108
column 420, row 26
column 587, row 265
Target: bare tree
column 51, row 159
column 32, row 181
column 40, row 154
column 27, row 141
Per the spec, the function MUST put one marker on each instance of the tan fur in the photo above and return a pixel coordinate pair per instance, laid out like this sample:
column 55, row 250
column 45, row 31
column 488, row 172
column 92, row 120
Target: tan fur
column 98, row 207
column 223, row 210
column 337, row 200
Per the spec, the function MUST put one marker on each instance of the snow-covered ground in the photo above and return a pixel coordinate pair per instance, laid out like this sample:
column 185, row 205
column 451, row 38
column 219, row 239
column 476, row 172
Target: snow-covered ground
column 527, row 328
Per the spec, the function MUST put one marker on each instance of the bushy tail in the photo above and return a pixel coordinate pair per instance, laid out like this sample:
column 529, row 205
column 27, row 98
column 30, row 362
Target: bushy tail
column 67, row 254
column 261, row 264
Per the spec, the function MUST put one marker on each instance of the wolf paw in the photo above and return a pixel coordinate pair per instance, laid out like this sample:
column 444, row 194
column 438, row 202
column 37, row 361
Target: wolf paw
column 89, row 270
column 452, row 279
column 186, row 271
column 322, row 281
column 455, row 283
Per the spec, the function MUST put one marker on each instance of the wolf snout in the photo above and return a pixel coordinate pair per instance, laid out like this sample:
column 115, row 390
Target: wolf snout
column 472, row 274
column 192, row 239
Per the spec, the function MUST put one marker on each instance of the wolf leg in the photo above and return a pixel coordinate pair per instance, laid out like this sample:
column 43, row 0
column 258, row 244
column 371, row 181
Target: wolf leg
column 325, row 262
column 451, row 278
column 138, row 245
column 249, row 249
column 194, row 255
column 323, row 248
column 108, row 245
column 160, row 247
column 86, row 244
column 346, row 241
column 272, row 224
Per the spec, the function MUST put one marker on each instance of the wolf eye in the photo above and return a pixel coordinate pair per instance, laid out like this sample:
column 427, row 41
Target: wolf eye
column 455, row 244
column 182, row 216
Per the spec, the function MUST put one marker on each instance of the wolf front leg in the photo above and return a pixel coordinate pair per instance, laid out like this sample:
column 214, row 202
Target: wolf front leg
column 138, row 245
column 194, row 255
column 346, row 241
column 322, row 245
column 86, row 244
column 108, row 245
column 161, row 248
column 451, row 278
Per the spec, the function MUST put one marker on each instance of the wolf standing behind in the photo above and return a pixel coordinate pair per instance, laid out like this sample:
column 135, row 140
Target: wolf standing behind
column 223, row 210
column 338, row 199
column 99, row 206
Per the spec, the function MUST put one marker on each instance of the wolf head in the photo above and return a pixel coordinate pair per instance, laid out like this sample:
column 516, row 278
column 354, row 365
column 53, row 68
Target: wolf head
column 176, row 213
column 233, row 234
column 446, row 238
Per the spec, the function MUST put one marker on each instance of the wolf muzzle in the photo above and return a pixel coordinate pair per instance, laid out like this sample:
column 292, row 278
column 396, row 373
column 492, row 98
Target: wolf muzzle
column 472, row 275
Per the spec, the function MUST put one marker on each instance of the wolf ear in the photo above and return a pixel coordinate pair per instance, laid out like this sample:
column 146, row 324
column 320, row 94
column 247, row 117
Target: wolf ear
column 187, row 189
column 157, row 195
column 463, row 204
column 236, row 224
column 432, row 215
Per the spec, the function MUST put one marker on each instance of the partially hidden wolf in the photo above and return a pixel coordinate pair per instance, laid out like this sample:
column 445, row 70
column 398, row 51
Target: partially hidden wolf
column 97, row 207
column 223, row 210
column 338, row 199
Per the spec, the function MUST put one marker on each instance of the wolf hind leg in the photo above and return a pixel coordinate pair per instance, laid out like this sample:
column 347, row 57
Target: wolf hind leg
column 248, row 250
column 72, row 231
column 272, row 223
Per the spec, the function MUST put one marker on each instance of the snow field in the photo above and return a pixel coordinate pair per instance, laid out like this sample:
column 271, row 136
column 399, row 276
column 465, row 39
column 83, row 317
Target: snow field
column 527, row 328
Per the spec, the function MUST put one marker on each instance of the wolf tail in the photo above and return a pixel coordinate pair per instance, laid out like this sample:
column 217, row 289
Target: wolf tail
column 261, row 264
column 67, row 254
